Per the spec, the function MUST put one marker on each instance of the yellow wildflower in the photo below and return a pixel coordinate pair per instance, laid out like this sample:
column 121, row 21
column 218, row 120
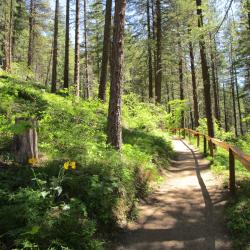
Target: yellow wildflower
column 66, row 165
column 73, row 164
column 32, row 161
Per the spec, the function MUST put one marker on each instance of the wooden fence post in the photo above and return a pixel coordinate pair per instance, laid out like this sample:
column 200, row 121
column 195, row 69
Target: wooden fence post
column 198, row 140
column 211, row 148
column 205, row 145
column 231, row 172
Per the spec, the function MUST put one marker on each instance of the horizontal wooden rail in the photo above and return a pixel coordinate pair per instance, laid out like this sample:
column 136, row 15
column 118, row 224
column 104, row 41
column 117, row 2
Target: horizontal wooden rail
column 234, row 152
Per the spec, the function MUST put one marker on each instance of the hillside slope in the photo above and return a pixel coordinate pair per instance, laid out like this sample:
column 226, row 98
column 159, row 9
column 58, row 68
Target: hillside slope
column 80, row 188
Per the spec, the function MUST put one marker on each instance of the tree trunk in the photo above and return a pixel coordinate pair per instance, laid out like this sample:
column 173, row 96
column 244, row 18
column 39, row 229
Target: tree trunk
column 233, row 100
column 10, row 34
column 55, row 49
column 49, row 67
column 225, row 109
column 105, row 51
column 159, row 52
column 216, row 102
column 66, row 57
column 238, row 99
column 8, row 16
column 31, row 33
column 205, row 73
column 6, row 64
column 194, row 86
column 77, row 50
column 150, row 66
column 25, row 146
column 181, row 80
column 114, row 114
column 154, row 47
column 86, row 52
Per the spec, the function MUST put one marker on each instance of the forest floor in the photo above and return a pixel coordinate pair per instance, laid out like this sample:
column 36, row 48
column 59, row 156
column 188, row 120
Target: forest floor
column 185, row 212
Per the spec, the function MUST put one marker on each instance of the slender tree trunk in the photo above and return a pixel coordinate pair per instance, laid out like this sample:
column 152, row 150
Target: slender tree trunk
column 217, row 78
column 8, row 16
column 225, row 109
column 248, row 13
column 31, row 33
column 114, row 113
column 168, row 97
column 86, row 51
column 49, row 66
column 77, row 50
column 154, row 43
column 66, row 57
column 105, row 51
column 205, row 73
column 231, row 59
column 194, row 86
column 5, row 41
column 10, row 34
column 55, row 49
column 216, row 102
column 159, row 53
column 97, row 38
column 233, row 100
column 150, row 66
column 191, row 119
column 181, row 80
column 238, row 99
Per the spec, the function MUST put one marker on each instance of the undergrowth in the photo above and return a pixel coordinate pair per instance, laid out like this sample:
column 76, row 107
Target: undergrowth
column 58, row 206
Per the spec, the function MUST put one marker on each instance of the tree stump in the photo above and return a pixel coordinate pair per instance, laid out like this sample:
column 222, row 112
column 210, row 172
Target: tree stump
column 25, row 142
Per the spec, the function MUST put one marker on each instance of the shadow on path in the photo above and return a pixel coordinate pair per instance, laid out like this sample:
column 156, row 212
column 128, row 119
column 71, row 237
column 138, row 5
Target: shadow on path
column 185, row 212
column 210, row 238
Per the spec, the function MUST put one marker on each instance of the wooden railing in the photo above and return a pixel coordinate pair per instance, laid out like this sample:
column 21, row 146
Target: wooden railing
column 210, row 143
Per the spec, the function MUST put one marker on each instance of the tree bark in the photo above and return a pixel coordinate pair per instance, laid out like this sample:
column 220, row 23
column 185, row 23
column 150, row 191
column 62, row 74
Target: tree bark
column 233, row 100
column 154, row 43
column 238, row 99
column 159, row 52
column 55, row 49
column 225, row 109
column 150, row 66
column 205, row 73
column 10, row 34
column 66, row 56
column 105, row 51
column 25, row 145
column 86, row 52
column 216, row 102
column 8, row 16
column 77, row 50
column 114, row 113
column 181, row 82
column 31, row 33
column 194, row 86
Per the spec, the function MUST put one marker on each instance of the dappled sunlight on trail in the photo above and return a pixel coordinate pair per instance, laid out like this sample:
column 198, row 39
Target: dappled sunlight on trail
column 185, row 212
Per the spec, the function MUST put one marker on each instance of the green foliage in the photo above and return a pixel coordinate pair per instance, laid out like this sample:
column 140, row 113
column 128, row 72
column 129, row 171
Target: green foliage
column 177, row 107
column 73, row 208
column 238, row 215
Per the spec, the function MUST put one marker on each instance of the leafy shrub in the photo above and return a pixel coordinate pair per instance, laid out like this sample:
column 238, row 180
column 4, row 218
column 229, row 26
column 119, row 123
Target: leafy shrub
column 238, row 216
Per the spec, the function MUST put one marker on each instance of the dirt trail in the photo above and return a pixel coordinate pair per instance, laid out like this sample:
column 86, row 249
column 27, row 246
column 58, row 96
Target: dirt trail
column 185, row 212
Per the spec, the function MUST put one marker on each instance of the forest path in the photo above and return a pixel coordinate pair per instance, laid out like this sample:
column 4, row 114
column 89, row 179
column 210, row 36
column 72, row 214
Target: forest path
column 185, row 212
